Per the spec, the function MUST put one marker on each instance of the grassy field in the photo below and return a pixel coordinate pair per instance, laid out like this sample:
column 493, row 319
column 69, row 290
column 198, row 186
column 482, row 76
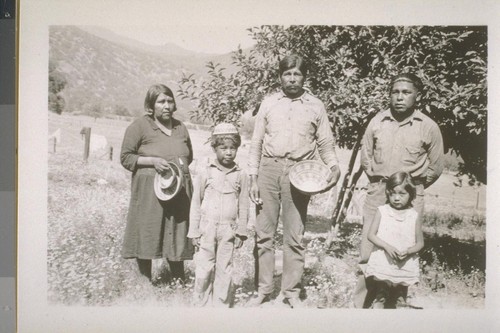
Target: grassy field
column 87, row 207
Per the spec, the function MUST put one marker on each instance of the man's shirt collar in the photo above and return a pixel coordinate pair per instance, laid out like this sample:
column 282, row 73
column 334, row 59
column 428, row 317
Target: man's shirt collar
column 416, row 115
column 305, row 97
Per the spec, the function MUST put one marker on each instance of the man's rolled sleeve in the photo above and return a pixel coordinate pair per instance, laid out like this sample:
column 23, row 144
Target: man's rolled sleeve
column 367, row 150
column 325, row 141
column 435, row 155
column 257, row 141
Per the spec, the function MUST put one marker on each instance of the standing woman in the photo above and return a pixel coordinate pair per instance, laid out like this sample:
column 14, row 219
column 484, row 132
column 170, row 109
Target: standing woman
column 155, row 228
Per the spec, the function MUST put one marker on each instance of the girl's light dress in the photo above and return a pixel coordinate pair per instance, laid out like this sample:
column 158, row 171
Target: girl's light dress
column 397, row 228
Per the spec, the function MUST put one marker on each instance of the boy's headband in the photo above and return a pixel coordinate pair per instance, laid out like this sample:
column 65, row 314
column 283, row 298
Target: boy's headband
column 404, row 79
column 408, row 78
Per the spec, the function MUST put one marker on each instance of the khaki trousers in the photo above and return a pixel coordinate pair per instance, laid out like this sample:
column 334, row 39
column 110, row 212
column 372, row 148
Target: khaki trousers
column 277, row 192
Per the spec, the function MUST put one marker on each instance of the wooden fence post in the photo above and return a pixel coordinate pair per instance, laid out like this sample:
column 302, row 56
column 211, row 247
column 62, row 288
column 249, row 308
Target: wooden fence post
column 86, row 132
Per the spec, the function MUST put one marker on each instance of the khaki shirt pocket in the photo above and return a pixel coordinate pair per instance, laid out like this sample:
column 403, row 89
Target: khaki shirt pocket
column 411, row 154
column 305, row 124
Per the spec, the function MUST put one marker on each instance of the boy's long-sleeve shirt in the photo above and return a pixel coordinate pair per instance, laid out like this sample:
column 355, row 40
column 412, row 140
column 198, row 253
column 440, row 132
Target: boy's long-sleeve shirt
column 219, row 197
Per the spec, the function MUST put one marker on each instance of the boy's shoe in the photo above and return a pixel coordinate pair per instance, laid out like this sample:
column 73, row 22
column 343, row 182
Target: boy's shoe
column 402, row 304
column 379, row 304
column 294, row 302
column 259, row 300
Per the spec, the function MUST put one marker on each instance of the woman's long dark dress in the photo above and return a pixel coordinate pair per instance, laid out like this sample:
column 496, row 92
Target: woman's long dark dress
column 156, row 229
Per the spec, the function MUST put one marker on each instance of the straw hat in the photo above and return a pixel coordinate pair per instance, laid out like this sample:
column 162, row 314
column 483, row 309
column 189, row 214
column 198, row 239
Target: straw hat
column 169, row 183
column 309, row 177
column 225, row 128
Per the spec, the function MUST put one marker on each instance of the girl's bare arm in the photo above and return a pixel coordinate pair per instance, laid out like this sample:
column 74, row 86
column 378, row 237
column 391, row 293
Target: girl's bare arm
column 372, row 237
column 419, row 237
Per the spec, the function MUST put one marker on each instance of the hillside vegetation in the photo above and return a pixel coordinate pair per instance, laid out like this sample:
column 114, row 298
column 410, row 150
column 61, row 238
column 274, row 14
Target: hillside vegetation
column 107, row 76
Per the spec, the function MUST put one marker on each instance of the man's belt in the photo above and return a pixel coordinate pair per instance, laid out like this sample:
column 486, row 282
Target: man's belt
column 382, row 179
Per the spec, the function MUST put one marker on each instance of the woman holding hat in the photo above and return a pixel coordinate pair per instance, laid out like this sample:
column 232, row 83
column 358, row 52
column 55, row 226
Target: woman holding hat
column 157, row 150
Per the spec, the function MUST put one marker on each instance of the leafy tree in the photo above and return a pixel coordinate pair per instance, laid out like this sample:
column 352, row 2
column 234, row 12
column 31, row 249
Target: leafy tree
column 121, row 110
column 351, row 67
column 56, row 103
column 57, row 83
column 94, row 109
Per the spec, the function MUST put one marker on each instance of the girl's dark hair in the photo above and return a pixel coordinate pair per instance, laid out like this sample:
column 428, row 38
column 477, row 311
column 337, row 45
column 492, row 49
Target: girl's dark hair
column 292, row 61
column 218, row 139
column 401, row 178
column 153, row 92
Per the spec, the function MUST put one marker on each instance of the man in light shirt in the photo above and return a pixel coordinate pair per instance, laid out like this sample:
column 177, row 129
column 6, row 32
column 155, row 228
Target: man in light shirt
column 291, row 126
column 399, row 139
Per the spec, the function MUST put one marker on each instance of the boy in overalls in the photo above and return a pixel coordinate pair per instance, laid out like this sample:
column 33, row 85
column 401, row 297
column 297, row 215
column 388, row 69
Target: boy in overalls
column 218, row 218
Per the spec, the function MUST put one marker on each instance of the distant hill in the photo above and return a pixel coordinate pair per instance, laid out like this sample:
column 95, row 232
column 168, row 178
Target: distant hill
column 167, row 49
column 112, row 71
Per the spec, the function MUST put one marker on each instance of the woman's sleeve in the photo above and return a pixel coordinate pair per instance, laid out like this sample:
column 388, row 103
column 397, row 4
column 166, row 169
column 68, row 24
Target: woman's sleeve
column 190, row 147
column 324, row 139
column 130, row 146
column 366, row 151
column 259, row 131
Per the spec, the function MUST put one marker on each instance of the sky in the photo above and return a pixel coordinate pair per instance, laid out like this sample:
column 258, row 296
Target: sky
column 206, row 39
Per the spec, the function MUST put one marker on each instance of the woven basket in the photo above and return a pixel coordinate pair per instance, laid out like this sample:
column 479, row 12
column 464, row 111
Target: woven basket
column 309, row 177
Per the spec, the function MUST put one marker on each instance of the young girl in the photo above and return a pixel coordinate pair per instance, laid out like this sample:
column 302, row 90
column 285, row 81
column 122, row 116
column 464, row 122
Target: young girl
column 397, row 235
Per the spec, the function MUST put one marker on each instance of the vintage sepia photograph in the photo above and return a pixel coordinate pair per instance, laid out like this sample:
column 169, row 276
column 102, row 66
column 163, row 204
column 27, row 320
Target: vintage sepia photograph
column 255, row 167
column 98, row 80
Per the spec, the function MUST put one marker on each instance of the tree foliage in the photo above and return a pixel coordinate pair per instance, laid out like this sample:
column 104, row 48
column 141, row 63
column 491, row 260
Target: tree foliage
column 57, row 83
column 121, row 110
column 350, row 69
column 93, row 109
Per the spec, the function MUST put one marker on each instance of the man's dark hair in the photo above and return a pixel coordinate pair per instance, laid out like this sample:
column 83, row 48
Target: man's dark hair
column 292, row 61
column 407, row 77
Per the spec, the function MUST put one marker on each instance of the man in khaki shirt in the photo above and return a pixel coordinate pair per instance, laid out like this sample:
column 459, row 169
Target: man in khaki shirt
column 399, row 139
column 291, row 126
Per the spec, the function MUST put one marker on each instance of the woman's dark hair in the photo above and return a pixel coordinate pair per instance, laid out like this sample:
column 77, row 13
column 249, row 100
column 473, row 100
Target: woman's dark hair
column 404, row 179
column 292, row 61
column 153, row 92
column 407, row 77
column 218, row 139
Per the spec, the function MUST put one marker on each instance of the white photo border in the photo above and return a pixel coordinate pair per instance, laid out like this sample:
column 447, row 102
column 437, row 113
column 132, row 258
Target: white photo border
column 35, row 16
